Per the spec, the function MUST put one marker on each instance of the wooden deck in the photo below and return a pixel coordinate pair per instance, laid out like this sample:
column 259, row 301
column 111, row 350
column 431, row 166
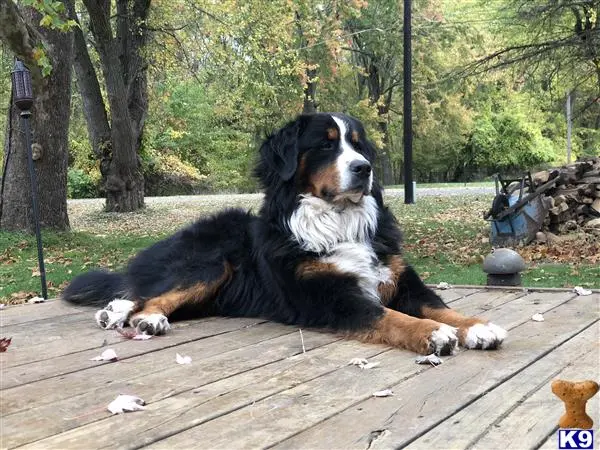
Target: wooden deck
column 251, row 385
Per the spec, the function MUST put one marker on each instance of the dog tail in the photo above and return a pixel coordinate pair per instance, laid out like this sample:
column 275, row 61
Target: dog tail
column 96, row 288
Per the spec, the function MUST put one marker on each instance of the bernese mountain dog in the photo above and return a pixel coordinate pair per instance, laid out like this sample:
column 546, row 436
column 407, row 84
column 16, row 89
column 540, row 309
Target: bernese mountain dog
column 323, row 252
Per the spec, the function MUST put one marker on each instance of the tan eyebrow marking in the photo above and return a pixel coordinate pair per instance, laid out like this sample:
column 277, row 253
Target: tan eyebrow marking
column 355, row 137
column 333, row 134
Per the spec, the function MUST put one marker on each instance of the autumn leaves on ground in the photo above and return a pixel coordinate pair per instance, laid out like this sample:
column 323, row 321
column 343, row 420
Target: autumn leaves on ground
column 445, row 239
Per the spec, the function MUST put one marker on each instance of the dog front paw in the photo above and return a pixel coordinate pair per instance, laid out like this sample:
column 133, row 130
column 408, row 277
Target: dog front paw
column 443, row 341
column 485, row 336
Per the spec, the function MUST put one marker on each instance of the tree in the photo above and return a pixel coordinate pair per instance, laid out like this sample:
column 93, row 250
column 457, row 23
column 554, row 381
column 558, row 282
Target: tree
column 116, row 138
column 377, row 49
column 40, row 41
column 555, row 47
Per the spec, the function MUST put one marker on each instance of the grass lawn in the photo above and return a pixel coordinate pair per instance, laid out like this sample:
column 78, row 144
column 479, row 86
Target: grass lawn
column 445, row 239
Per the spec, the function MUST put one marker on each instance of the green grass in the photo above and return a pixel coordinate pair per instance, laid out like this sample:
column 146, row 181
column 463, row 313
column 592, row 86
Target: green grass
column 65, row 255
column 445, row 238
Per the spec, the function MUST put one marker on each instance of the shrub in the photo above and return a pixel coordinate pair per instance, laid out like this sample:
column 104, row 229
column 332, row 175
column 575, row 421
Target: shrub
column 81, row 184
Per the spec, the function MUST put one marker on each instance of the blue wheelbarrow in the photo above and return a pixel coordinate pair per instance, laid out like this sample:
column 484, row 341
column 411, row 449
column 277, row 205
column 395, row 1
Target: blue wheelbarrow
column 518, row 210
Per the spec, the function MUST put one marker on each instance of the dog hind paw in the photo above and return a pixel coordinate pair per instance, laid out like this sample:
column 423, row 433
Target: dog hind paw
column 152, row 324
column 115, row 314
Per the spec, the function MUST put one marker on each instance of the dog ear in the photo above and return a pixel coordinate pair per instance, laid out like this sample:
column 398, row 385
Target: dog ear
column 280, row 151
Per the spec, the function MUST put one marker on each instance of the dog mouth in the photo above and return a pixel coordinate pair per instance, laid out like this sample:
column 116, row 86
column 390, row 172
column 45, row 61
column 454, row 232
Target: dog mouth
column 352, row 196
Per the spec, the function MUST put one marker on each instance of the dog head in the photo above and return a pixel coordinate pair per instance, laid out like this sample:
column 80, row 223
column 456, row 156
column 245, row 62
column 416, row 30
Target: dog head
column 326, row 155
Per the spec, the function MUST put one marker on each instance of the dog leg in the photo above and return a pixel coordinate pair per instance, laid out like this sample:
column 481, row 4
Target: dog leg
column 419, row 335
column 153, row 318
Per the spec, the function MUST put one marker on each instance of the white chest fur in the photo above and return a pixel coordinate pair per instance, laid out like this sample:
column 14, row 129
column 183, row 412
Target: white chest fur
column 360, row 260
column 319, row 226
column 343, row 237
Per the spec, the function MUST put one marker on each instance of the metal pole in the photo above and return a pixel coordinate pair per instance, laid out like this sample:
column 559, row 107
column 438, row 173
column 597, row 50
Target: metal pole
column 25, row 115
column 409, row 196
column 569, row 120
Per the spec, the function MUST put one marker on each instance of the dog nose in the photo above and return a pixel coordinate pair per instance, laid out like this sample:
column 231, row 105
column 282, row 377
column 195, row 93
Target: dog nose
column 360, row 168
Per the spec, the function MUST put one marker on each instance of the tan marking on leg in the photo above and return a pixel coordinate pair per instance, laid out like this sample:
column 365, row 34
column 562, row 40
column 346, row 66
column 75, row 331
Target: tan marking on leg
column 313, row 268
column 170, row 301
column 333, row 134
column 401, row 330
column 355, row 137
column 452, row 318
column 387, row 290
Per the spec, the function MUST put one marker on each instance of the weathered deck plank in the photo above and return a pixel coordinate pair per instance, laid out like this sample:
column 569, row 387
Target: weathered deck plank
column 250, row 385
column 421, row 402
column 342, row 381
column 466, row 427
column 535, row 418
column 79, row 358
column 14, row 315
column 144, row 361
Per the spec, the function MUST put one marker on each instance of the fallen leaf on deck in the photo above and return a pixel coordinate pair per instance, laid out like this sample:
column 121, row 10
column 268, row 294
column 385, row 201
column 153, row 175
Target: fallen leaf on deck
column 130, row 333
column 432, row 359
column 443, row 285
column 537, row 317
column 183, row 359
column 370, row 365
column 363, row 363
column 384, row 393
column 124, row 403
column 358, row 361
column 581, row 291
column 142, row 337
column 107, row 355
column 4, row 343
column 36, row 300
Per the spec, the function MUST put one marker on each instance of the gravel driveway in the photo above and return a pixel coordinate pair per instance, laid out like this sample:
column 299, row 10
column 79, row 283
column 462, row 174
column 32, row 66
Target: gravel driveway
column 220, row 199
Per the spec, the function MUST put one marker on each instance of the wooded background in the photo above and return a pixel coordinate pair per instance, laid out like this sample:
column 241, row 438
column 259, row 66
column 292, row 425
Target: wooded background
column 172, row 96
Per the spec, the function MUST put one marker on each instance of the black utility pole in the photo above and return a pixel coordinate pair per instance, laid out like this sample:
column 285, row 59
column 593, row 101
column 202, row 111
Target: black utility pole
column 23, row 98
column 409, row 194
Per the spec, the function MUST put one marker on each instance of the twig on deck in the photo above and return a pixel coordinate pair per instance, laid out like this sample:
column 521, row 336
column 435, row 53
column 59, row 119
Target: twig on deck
column 302, row 339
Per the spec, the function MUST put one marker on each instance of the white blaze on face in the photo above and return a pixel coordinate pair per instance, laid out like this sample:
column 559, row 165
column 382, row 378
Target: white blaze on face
column 347, row 155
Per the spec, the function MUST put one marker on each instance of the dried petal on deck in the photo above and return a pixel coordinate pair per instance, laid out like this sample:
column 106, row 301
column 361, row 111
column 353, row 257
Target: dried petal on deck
column 183, row 359
column 384, row 393
column 581, row 291
column 107, row 355
column 124, row 403
column 432, row 359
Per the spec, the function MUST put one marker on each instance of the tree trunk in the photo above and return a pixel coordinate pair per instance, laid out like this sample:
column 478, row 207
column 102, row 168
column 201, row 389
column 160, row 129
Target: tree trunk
column 387, row 174
column 310, row 92
column 124, row 71
column 91, row 95
column 124, row 180
column 49, row 125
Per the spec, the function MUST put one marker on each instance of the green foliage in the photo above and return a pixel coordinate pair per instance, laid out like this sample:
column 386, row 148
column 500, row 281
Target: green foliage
column 509, row 134
column 223, row 74
column 197, row 134
column 81, row 184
